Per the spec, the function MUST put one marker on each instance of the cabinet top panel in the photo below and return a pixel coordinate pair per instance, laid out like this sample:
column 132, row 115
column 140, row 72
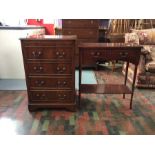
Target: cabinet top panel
column 50, row 37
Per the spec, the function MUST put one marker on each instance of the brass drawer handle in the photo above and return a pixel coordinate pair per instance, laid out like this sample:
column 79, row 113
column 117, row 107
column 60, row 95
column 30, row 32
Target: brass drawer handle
column 38, row 68
column 39, row 83
column 95, row 54
column 61, row 97
column 61, row 84
column 123, row 54
column 61, row 70
column 60, row 54
column 41, row 96
column 36, row 53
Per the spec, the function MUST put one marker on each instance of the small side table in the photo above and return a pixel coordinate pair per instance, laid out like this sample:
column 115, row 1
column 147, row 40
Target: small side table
column 109, row 51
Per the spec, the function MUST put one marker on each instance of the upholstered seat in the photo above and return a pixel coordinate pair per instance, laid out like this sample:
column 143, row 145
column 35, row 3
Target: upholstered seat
column 146, row 69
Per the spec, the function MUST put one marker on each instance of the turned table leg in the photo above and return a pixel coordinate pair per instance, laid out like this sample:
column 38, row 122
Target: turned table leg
column 80, row 76
column 133, row 85
column 126, row 75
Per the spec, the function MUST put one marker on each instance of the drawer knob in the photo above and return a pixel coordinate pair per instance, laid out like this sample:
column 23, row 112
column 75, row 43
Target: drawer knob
column 58, row 68
column 43, row 95
column 57, row 53
column 59, row 82
column 63, row 53
column 64, row 68
column 91, row 21
column 35, row 68
column 37, row 95
column 41, row 68
column 92, row 53
column 42, row 82
column 98, row 53
column 64, row 82
column 123, row 54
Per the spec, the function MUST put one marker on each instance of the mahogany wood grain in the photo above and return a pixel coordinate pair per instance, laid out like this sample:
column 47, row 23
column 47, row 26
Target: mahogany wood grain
column 49, row 63
column 104, row 89
column 86, row 30
column 94, row 52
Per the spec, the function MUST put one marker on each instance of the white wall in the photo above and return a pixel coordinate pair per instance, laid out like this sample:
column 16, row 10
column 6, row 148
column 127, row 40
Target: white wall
column 11, row 60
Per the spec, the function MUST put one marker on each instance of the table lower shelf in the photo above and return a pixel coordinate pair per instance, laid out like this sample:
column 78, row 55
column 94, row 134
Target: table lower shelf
column 104, row 89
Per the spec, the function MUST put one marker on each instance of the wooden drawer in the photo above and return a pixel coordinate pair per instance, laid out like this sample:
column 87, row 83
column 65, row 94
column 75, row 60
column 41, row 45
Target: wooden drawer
column 68, row 23
column 50, row 82
column 49, row 68
column 123, row 55
column 55, row 43
column 52, row 96
column 48, row 53
column 94, row 55
column 82, row 33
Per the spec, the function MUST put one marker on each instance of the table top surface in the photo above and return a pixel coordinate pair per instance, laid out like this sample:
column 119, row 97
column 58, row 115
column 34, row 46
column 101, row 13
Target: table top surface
column 108, row 45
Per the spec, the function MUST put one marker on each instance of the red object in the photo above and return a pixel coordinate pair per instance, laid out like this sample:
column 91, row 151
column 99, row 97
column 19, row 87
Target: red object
column 49, row 28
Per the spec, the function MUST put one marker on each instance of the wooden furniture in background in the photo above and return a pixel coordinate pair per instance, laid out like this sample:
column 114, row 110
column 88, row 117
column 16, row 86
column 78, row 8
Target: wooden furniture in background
column 108, row 51
column 50, row 71
column 85, row 29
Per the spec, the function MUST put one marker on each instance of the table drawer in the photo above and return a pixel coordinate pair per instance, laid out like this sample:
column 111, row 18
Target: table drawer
column 55, row 82
column 124, row 55
column 94, row 55
column 48, row 53
column 77, row 23
column 49, row 68
column 52, row 96
column 81, row 33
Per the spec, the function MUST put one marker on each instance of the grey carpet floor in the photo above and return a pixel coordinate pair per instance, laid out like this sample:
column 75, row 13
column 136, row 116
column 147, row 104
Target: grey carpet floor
column 13, row 84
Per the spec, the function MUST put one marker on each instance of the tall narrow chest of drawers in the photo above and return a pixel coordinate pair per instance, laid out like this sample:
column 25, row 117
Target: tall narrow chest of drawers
column 87, row 31
column 50, row 71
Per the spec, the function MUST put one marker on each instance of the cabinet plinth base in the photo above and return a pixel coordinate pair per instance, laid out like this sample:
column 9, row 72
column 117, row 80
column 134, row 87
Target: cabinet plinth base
column 34, row 107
